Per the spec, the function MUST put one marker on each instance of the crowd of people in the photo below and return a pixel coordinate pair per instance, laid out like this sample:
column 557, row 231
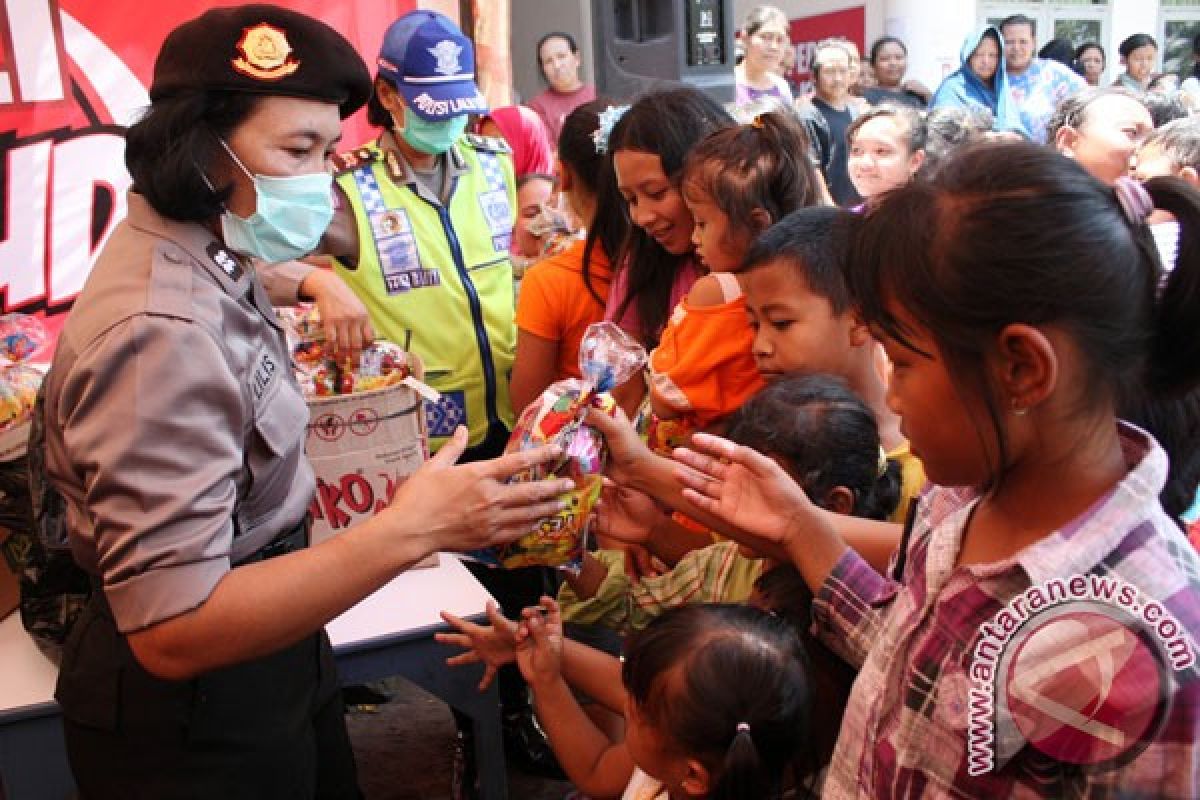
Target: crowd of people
column 915, row 355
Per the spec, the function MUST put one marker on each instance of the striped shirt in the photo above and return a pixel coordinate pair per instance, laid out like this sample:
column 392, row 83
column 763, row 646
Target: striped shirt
column 908, row 729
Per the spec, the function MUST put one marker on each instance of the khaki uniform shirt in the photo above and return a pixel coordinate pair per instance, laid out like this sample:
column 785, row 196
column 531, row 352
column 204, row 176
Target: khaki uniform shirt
column 172, row 411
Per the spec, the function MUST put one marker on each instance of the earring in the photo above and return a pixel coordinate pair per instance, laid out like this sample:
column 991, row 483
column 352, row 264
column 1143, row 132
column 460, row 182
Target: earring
column 1017, row 409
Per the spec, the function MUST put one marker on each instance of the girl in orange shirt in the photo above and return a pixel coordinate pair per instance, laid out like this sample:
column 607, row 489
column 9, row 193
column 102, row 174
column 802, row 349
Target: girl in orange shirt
column 563, row 294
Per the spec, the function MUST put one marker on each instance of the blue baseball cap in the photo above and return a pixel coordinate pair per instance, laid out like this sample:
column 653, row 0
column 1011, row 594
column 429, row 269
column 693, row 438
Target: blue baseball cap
column 432, row 65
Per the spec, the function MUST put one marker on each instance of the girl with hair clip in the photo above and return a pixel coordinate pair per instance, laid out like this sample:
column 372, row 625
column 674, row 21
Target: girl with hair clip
column 736, row 183
column 648, row 144
column 563, row 294
column 1019, row 300
column 715, row 700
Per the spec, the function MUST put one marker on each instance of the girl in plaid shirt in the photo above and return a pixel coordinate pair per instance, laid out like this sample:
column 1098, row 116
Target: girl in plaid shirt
column 1036, row 633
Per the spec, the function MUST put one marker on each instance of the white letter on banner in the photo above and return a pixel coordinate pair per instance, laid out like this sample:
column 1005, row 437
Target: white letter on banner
column 35, row 55
column 23, row 253
column 81, row 167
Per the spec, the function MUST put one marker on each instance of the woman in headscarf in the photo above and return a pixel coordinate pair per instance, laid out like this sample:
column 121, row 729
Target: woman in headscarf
column 526, row 134
column 981, row 81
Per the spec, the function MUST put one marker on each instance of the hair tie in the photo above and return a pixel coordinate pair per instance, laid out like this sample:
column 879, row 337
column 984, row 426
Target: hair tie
column 1134, row 199
column 883, row 463
column 607, row 121
column 743, row 727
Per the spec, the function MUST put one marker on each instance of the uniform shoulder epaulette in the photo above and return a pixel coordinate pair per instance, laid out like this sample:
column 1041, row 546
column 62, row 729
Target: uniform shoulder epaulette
column 353, row 159
column 493, row 144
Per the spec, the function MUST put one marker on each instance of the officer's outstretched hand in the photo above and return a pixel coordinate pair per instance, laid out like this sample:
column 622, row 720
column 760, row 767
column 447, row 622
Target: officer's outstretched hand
column 468, row 506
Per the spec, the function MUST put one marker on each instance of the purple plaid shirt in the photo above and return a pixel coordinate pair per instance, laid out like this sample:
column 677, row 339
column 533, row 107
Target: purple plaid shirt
column 906, row 728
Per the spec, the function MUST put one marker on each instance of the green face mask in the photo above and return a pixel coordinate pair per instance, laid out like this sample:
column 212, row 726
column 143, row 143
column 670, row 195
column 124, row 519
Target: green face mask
column 433, row 138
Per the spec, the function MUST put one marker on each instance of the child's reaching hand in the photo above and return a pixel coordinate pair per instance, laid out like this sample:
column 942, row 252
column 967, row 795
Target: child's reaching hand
column 540, row 644
column 495, row 645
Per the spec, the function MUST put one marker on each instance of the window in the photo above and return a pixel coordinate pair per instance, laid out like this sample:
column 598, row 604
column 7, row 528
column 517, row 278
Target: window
column 1179, row 24
column 1076, row 20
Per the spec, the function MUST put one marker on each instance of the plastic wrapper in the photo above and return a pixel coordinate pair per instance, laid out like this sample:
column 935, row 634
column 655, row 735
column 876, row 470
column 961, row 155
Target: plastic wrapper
column 18, row 390
column 379, row 364
column 21, row 338
column 321, row 374
column 607, row 357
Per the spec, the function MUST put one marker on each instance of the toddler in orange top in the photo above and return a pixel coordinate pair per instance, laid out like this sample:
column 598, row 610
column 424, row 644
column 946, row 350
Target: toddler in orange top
column 737, row 182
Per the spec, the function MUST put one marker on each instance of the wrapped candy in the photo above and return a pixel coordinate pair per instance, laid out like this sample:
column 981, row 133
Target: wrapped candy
column 380, row 364
column 607, row 358
column 21, row 337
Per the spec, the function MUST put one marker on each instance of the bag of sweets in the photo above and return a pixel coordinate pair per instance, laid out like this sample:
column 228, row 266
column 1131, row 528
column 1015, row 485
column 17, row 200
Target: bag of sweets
column 607, row 358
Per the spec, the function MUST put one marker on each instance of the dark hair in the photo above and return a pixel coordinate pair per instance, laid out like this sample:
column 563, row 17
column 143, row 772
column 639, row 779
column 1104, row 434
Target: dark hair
column 377, row 115
column 814, row 242
column 1134, row 42
column 1060, row 50
column 782, row 591
column 912, row 120
column 1015, row 233
column 572, row 45
column 825, row 437
column 1073, row 110
column 740, row 702
column 1179, row 140
column 762, row 165
column 577, row 150
column 171, row 151
column 878, row 45
column 1083, row 48
column 1164, row 107
column 1017, row 19
column 666, row 123
column 948, row 128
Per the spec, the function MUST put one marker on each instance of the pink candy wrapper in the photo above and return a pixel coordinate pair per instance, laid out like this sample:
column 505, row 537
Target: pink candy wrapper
column 607, row 358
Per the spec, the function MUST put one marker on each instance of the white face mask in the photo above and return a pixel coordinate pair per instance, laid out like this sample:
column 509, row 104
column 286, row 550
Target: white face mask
column 290, row 215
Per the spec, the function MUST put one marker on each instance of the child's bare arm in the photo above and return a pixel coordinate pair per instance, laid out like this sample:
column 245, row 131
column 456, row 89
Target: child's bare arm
column 587, row 581
column 593, row 763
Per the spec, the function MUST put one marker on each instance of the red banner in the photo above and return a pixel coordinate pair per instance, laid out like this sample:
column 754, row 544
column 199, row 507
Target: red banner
column 849, row 23
column 73, row 74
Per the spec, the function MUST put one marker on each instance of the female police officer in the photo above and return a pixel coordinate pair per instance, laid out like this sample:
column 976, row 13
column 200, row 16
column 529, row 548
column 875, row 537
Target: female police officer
column 175, row 432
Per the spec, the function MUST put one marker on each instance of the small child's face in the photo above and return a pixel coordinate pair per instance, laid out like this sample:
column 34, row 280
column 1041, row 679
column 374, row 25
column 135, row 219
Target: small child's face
column 651, row 750
column 718, row 246
column 795, row 329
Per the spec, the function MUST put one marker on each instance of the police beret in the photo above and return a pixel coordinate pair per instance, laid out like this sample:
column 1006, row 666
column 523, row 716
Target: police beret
column 263, row 49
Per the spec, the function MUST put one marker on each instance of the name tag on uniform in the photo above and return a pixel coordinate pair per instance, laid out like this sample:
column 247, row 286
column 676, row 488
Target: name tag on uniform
column 499, row 216
column 265, row 374
column 399, row 259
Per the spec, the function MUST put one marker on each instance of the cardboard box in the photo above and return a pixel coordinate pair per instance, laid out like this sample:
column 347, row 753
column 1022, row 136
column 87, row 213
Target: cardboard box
column 10, row 588
column 362, row 446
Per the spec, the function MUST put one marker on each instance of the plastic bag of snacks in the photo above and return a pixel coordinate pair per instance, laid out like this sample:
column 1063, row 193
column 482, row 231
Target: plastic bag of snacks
column 21, row 338
column 607, row 357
